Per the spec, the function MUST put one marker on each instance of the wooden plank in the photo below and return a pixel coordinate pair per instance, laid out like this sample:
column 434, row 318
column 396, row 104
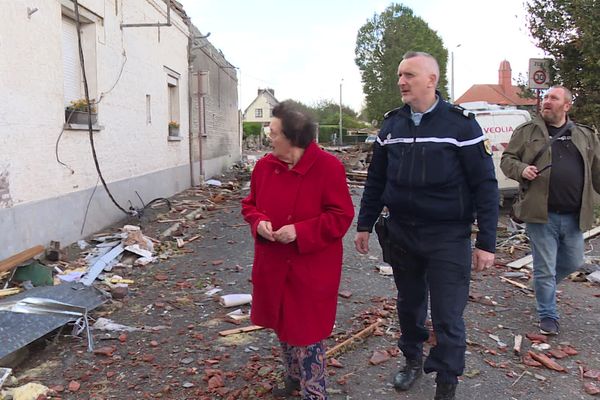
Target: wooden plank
column 244, row 329
column 9, row 292
column 360, row 335
column 521, row 262
column 517, row 284
column 517, row 346
column 20, row 258
column 591, row 233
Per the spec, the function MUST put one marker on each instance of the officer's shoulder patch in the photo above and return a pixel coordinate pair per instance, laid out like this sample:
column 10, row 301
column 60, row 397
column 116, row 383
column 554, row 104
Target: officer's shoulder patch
column 487, row 146
column 391, row 112
column 462, row 111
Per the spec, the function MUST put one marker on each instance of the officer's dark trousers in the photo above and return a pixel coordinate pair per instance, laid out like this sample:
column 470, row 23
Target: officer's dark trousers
column 434, row 260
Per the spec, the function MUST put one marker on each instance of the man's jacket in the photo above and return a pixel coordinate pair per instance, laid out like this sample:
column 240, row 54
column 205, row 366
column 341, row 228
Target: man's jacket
column 526, row 141
column 439, row 172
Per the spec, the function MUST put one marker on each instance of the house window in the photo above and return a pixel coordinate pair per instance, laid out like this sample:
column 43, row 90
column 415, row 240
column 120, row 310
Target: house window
column 258, row 113
column 173, row 101
column 73, row 90
column 73, row 81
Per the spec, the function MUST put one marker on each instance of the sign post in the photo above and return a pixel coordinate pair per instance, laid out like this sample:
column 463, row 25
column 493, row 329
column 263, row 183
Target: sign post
column 539, row 76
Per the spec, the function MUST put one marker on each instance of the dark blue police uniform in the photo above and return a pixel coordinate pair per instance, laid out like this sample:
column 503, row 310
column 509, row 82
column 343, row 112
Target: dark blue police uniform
column 435, row 179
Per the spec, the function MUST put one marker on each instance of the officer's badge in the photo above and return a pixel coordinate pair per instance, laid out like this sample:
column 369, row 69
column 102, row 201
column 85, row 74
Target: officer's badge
column 487, row 145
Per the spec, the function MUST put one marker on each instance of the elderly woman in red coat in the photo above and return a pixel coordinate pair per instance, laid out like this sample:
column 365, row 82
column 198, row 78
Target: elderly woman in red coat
column 299, row 209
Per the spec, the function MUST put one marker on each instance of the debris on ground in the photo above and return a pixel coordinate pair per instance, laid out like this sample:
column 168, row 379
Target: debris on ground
column 163, row 332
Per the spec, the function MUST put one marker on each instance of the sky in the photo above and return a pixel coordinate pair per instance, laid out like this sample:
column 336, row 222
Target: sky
column 304, row 50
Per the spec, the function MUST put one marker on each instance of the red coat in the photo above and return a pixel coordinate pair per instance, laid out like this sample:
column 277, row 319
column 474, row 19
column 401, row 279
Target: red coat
column 295, row 285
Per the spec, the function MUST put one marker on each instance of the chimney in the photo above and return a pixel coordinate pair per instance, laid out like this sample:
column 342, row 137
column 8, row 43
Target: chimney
column 505, row 76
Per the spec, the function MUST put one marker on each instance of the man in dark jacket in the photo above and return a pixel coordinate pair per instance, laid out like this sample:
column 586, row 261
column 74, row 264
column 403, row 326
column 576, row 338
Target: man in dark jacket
column 432, row 169
column 557, row 164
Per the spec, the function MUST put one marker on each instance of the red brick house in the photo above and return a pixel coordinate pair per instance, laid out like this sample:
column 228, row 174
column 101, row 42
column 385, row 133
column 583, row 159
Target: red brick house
column 504, row 93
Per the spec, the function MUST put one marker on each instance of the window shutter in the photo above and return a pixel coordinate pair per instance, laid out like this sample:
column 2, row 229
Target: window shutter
column 71, row 66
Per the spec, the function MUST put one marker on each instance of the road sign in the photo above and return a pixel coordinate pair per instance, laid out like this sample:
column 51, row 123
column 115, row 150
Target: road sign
column 539, row 73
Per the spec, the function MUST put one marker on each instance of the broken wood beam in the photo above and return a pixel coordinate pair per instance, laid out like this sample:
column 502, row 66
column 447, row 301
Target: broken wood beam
column 9, row 292
column 360, row 335
column 20, row 258
column 515, row 283
column 517, row 346
column 245, row 329
column 591, row 233
column 190, row 240
column 521, row 262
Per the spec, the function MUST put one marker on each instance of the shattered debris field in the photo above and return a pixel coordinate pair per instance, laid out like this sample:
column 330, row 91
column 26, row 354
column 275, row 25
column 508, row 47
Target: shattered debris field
column 167, row 333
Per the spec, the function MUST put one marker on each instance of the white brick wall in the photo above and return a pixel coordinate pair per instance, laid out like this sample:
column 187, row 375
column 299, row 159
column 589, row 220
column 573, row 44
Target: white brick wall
column 41, row 200
column 31, row 99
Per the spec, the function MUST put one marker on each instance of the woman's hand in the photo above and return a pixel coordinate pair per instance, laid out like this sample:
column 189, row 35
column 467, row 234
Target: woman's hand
column 285, row 234
column 265, row 230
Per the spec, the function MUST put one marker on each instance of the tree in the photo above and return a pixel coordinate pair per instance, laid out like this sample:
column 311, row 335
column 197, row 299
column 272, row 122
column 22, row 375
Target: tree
column 568, row 30
column 304, row 108
column 380, row 44
column 327, row 112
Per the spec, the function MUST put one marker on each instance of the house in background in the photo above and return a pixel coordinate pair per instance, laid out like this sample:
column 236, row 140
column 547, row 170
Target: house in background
column 140, row 79
column 261, row 108
column 504, row 93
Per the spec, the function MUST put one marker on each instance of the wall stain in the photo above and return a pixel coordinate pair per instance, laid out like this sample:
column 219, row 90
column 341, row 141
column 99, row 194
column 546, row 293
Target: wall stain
column 5, row 199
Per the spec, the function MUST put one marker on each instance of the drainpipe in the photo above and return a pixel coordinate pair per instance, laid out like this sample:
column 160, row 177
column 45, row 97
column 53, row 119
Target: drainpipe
column 201, row 122
column 188, row 22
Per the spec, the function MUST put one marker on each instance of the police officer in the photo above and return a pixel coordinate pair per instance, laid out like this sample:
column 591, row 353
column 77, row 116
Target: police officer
column 432, row 169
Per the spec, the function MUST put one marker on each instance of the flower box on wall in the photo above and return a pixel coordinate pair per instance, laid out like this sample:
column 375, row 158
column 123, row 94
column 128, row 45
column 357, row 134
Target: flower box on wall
column 173, row 131
column 76, row 113
column 79, row 117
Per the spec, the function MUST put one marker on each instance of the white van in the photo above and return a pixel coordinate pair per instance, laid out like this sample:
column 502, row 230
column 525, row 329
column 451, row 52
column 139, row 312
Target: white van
column 498, row 124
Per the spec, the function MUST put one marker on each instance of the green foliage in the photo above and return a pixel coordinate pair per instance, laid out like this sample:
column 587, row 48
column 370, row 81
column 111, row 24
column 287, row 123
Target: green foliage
column 304, row 108
column 327, row 112
column 252, row 129
column 81, row 105
column 380, row 44
column 326, row 132
column 525, row 92
column 568, row 30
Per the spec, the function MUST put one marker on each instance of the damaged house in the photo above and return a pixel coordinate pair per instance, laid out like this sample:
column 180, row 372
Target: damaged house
column 164, row 114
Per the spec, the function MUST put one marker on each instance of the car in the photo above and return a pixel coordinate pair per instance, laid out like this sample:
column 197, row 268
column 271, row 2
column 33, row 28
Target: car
column 371, row 139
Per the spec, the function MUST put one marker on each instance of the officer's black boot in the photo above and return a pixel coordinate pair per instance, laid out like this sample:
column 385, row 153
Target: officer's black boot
column 409, row 374
column 445, row 391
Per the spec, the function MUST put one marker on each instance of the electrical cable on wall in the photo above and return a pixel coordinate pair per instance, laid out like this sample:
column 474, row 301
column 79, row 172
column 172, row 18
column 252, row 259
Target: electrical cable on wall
column 124, row 54
column 58, row 141
column 136, row 212
column 89, row 109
